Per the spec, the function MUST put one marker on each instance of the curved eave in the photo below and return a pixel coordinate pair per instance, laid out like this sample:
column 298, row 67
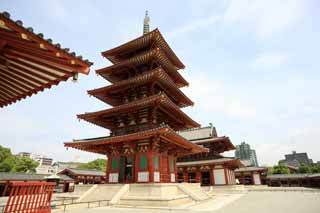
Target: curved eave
column 152, row 38
column 161, row 100
column 157, row 75
column 225, row 140
column 29, row 64
column 98, row 145
column 143, row 58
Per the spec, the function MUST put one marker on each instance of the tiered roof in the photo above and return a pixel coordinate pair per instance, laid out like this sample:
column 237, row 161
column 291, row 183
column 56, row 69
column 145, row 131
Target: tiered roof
column 112, row 94
column 123, row 69
column 97, row 145
column 146, row 41
column 145, row 94
column 105, row 118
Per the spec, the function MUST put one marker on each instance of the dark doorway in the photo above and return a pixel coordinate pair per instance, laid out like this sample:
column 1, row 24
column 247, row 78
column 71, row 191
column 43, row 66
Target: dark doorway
column 192, row 177
column 205, row 178
column 126, row 170
column 66, row 187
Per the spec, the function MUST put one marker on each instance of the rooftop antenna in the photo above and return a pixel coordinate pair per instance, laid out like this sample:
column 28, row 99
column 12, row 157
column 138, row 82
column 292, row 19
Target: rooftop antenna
column 146, row 22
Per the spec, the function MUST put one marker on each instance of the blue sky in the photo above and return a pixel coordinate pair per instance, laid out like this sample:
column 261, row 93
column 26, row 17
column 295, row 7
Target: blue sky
column 253, row 68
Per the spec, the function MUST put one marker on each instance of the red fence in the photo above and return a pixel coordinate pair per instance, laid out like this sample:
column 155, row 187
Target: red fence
column 33, row 197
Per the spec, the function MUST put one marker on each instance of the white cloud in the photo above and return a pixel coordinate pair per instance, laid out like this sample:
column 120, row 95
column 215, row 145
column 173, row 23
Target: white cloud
column 236, row 108
column 271, row 59
column 265, row 17
column 211, row 96
column 193, row 26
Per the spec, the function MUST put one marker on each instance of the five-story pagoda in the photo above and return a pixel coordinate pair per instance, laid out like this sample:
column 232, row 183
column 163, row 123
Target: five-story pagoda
column 143, row 144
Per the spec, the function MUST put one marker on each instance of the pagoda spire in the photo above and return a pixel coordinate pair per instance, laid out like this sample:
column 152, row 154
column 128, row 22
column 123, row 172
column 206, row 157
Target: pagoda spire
column 146, row 25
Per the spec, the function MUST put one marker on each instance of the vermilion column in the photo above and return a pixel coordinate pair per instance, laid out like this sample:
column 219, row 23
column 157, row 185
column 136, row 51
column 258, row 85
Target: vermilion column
column 108, row 169
column 226, row 175
column 136, row 167
column 151, row 166
column 198, row 176
column 211, row 177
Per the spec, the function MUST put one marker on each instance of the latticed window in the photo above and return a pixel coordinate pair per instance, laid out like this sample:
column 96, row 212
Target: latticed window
column 114, row 163
column 143, row 163
column 171, row 162
column 156, row 162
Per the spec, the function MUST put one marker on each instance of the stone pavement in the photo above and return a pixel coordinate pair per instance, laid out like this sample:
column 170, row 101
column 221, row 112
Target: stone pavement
column 252, row 201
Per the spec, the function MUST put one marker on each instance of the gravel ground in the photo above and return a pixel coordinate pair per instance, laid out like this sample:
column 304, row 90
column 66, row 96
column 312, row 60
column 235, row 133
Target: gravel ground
column 262, row 202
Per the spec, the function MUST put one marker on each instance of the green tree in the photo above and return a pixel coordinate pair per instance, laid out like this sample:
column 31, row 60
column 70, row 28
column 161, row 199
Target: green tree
column 24, row 164
column 280, row 169
column 11, row 163
column 98, row 164
column 7, row 164
column 304, row 168
column 316, row 168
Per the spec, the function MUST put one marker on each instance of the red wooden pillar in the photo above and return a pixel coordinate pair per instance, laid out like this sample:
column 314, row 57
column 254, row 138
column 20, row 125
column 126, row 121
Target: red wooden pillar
column 5, row 188
column 151, row 166
column 243, row 178
column 211, row 177
column 185, row 176
column 136, row 167
column 198, row 176
column 226, row 175
column 252, row 179
column 108, row 169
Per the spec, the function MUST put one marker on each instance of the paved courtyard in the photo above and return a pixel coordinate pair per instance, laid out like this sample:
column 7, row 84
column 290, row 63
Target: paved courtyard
column 254, row 201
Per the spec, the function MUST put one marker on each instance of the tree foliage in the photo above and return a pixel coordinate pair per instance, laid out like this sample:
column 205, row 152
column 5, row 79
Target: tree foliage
column 304, row 168
column 98, row 164
column 279, row 169
column 11, row 163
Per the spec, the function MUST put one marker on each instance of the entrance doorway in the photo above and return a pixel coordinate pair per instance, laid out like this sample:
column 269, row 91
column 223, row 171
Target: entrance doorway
column 205, row 178
column 126, row 169
column 192, row 177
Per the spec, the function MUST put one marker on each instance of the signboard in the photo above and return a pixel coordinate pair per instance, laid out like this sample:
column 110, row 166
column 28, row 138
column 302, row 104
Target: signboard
column 113, row 177
column 143, row 176
column 156, row 176
column 173, row 177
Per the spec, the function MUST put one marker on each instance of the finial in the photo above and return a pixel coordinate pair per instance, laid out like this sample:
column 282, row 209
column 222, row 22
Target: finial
column 146, row 22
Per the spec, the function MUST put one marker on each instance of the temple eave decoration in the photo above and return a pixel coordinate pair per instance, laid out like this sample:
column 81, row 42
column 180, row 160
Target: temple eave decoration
column 29, row 63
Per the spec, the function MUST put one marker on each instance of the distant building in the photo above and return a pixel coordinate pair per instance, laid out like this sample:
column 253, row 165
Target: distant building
column 24, row 154
column 208, row 168
column 296, row 159
column 59, row 165
column 85, row 176
column 246, row 154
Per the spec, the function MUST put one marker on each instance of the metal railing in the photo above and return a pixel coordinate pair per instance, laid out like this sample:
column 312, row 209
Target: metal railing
column 64, row 205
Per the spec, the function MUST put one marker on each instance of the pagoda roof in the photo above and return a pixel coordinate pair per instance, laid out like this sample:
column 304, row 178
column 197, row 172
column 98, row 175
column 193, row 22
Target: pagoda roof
column 98, row 145
column 156, row 54
column 158, row 75
column 165, row 104
column 216, row 140
column 29, row 63
column 151, row 39
column 235, row 163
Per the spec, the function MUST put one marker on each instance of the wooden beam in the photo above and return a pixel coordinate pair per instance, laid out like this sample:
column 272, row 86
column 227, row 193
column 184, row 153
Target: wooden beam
column 32, row 73
column 37, row 39
column 53, row 61
column 7, row 93
column 18, row 78
column 14, row 82
column 33, row 79
column 41, row 70
column 10, row 91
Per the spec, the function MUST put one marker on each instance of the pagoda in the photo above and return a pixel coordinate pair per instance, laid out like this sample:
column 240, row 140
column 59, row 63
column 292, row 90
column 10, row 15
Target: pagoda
column 146, row 98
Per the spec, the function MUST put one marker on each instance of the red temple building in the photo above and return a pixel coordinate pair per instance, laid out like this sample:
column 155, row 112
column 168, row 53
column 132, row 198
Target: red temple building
column 146, row 98
column 207, row 168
